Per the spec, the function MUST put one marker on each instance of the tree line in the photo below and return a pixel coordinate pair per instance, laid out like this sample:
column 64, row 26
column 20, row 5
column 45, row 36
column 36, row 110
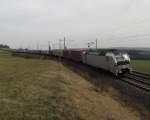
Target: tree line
column 4, row 46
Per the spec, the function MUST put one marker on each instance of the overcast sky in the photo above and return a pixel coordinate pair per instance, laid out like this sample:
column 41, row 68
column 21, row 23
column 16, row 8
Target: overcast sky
column 26, row 23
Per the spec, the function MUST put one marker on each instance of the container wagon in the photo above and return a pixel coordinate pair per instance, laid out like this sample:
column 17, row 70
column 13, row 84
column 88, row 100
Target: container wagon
column 75, row 55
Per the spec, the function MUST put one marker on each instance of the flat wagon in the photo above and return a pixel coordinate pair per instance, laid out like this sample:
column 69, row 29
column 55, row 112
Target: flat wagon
column 57, row 53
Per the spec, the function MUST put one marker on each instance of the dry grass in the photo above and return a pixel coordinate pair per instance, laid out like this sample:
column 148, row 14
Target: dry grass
column 33, row 90
column 47, row 90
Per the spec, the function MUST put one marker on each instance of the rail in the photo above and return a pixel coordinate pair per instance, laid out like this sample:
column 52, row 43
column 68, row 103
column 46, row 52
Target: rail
column 137, row 79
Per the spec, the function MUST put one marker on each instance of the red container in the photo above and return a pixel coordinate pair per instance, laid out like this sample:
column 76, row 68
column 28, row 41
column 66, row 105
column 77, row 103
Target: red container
column 75, row 55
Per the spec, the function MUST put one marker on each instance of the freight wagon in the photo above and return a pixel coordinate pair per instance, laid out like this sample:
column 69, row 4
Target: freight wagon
column 57, row 53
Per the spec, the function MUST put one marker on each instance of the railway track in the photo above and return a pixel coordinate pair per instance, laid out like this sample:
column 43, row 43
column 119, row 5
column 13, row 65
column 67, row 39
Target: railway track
column 137, row 79
column 138, row 74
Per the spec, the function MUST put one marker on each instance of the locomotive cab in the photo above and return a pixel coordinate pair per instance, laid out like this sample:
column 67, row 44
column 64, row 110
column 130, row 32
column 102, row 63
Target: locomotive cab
column 119, row 63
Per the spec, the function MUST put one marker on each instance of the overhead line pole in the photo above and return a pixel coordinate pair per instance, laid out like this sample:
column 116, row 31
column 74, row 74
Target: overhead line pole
column 96, row 43
column 59, row 44
column 49, row 46
column 64, row 43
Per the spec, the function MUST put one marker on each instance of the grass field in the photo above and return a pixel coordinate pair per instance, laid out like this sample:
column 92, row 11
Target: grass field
column 32, row 89
column 141, row 66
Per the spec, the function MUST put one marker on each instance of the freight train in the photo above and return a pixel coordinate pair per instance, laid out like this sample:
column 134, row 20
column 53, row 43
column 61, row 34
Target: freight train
column 111, row 60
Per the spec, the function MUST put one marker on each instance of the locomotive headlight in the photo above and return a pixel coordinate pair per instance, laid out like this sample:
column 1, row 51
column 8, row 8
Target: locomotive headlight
column 126, row 57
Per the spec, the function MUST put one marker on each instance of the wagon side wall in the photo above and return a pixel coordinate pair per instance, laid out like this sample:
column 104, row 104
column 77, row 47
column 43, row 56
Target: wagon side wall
column 73, row 54
column 58, row 53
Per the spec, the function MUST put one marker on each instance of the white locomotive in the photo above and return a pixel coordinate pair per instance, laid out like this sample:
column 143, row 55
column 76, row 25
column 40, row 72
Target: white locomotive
column 110, row 59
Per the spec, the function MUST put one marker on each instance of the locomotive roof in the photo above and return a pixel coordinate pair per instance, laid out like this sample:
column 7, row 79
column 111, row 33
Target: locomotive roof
column 102, row 51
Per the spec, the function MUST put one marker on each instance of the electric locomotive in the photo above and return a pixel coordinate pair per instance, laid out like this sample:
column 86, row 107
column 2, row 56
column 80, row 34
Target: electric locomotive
column 111, row 60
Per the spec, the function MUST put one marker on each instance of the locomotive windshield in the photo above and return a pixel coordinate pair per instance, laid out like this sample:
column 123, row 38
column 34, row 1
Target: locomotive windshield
column 119, row 53
column 116, row 53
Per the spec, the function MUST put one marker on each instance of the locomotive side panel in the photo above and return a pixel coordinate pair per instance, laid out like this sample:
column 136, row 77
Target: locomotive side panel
column 96, row 61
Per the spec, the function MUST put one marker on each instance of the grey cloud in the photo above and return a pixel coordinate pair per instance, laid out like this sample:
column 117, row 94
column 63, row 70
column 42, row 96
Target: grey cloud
column 29, row 22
